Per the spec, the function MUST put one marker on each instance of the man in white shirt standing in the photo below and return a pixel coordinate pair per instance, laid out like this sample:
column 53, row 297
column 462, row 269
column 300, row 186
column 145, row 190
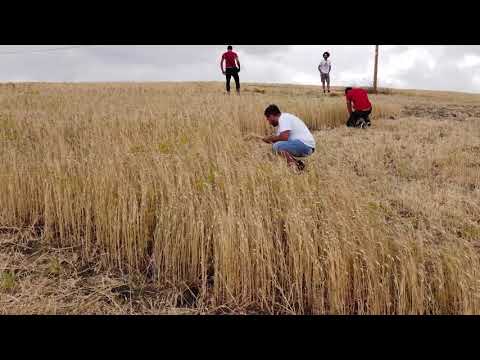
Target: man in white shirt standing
column 292, row 139
column 325, row 67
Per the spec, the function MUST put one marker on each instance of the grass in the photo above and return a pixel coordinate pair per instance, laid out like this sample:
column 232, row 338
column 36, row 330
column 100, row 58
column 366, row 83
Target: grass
column 157, row 182
column 7, row 281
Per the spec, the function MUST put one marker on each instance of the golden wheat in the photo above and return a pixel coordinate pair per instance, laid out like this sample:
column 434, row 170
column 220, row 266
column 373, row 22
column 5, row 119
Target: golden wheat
column 160, row 180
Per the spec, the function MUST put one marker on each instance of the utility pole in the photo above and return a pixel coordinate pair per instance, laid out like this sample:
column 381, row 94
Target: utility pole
column 375, row 70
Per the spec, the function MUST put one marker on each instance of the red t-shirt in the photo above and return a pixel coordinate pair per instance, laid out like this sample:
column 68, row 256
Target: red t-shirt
column 230, row 57
column 359, row 98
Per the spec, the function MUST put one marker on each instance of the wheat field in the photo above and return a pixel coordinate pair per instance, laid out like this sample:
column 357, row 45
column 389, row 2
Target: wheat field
column 161, row 182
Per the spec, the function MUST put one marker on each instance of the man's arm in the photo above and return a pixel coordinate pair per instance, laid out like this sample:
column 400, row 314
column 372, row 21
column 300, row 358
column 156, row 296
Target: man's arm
column 221, row 65
column 284, row 136
column 238, row 62
column 329, row 68
column 349, row 106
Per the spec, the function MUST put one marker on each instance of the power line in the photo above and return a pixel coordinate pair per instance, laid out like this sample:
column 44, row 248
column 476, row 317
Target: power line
column 45, row 50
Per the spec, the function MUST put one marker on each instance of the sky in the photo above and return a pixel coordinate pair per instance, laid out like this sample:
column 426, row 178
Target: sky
column 429, row 67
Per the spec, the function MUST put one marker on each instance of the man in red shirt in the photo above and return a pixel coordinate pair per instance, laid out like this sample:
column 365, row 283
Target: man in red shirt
column 359, row 117
column 232, row 68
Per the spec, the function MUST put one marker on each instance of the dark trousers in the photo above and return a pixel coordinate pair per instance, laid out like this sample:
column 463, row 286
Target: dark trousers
column 229, row 73
column 356, row 115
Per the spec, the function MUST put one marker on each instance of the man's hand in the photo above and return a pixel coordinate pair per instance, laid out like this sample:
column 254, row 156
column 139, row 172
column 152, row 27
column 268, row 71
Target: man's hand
column 284, row 136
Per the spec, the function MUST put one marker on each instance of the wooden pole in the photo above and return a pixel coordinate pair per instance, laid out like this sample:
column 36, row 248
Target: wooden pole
column 375, row 73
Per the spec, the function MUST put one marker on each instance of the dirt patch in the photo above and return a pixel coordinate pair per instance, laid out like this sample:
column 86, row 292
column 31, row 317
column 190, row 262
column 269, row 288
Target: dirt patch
column 449, row 111
column 39, row 279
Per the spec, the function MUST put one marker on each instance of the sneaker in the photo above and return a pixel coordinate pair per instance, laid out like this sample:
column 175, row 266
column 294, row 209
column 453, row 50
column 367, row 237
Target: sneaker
column 300, row 165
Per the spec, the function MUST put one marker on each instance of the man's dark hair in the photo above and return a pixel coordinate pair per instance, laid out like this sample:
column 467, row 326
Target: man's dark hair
column 230, row 47
column 272, row 110
column 347, row 90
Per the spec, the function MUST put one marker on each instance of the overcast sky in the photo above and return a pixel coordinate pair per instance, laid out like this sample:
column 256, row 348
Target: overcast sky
column 449, row 67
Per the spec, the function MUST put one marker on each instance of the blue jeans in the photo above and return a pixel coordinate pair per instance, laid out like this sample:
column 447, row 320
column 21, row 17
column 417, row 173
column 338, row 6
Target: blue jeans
column 294, row 147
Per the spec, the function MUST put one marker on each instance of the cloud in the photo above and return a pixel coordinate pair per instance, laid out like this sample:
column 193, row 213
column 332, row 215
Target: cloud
column 442, row 67
column 469, row 61
column 265, row 49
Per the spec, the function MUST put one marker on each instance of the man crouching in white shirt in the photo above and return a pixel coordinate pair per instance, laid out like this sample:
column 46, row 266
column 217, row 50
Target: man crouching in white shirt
column 293, row 139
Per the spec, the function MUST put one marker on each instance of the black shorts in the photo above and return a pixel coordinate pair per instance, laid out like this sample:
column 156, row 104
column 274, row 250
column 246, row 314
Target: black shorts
column 353, row 121
column 231, row 71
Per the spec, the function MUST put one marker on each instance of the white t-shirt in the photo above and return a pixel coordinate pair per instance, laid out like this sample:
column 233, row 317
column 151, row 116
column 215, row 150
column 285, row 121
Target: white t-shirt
column 298, row 129
column 325, row 66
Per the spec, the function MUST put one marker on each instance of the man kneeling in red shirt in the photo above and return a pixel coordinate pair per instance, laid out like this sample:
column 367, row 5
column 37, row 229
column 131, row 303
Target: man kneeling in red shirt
column 362, row 107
